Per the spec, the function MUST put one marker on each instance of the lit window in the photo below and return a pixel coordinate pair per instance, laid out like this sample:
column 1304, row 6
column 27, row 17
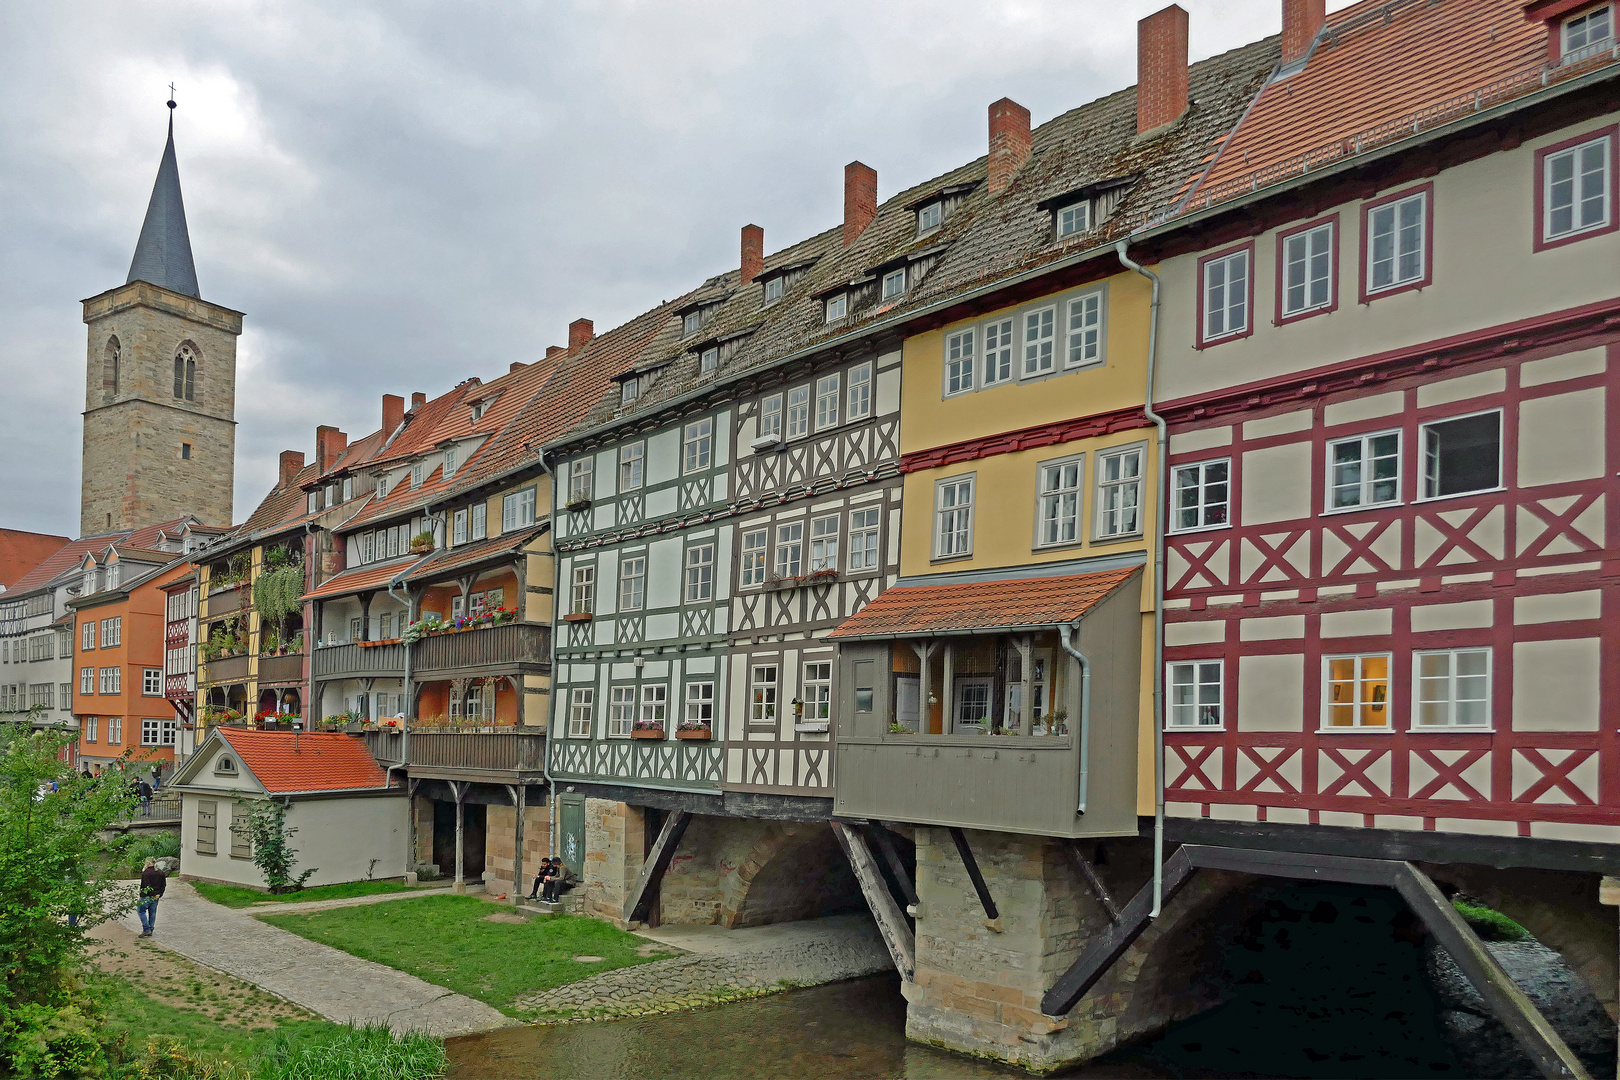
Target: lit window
column 1195, row 694
column 1085, row 330
column 699, row 573
column 1395, row 243
column 1462, row 455
column 1226, row 295
column 1357, row 691
column 863, row 539
column 1588, row 31
column 621, row 712
column 1060, row 502
column 1307, row 271
column 581, row 699
column 789, row 550
column 929, row 217
column 798, row 412
column 1364, row 471
column 1073, row 219
column 1199, row 495
column 826, row 401
column 762, row 694
column 959, row 362
column 1453, row 688
column 773, row 290
column 824, row 544
column 860, row 391
column 700, row 703
column 1577, row 189
column 837, row 307
column 953, row 515
column 583, row 598
column 754, row 557
column 632, row 583
column 698, row 443
column 998, row 351
column 817, row 696
column 709, row 361
column 1119, row 493
column 770, row 416
column 632, row 458
column 894, row 283
column 1039, row 334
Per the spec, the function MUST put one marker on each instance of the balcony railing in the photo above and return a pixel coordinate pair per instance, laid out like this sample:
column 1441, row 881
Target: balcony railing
column 458, row 752
column 226, row 602
column 355, row 661
column 497, row 648
column 281, row 668
column 231, row 669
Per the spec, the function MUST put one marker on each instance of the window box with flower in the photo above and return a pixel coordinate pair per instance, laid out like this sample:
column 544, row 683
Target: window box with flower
column 647, row 729
column 694, row 730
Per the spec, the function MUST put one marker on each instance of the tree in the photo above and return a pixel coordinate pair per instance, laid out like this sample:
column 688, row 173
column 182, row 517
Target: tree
column 268, row 831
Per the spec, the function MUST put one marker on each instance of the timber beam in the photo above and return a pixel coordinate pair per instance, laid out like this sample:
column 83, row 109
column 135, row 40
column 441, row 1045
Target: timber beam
column 1094, row 880
column 652, row 871
column 992, row 917
column 891, row 857
column 891, row 921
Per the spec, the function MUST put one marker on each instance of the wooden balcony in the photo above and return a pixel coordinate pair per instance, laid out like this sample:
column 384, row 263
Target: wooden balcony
column 497, row 650
column 499, row 756
column 356, row 662
column 230, row 670
column 225, row 602
column 281, row 669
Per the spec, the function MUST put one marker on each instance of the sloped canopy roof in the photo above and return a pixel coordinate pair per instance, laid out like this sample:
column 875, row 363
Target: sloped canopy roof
column 287, row 762
column 163, row 253
column 981, row 605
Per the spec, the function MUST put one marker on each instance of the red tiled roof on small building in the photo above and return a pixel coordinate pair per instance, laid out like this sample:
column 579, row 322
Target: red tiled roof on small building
column 982, row 605
column 477, row 552
column 366, row 577
column 286, row 762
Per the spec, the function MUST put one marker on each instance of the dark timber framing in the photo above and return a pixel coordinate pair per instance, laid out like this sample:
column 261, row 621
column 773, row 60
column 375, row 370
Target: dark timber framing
column 885, row 840
column 652, row 871
column 991, row 914
column 891, row 921
column 1544, row 1046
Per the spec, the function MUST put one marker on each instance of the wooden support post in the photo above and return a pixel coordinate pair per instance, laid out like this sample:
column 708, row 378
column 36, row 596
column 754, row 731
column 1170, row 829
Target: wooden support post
column 947, row 692
column 365, row 616
column 652, row 871
column 410, row 802
column 897, row 868
column 925, row 652
column 1026, row 707
column 519, row 793
column 992, row 917
column 891, row 921
column 460, row 882
column 1089, row 872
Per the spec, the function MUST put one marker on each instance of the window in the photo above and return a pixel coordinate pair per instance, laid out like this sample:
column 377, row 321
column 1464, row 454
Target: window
column 1357, row 691
column 1074, row 218
column 382, row 485
column 449, row 461
column 87, row 636
column 367, row 547
column 87, row 680
column 1195, row 694
column 953, row 517
column 753, row 557
column 241, row 845
column 580, row 473
column 824, row 544
column 762, row 694
column 185, row 372
column 348, row 488
column 112, row 631
column 629, row 391
column 817, row 697
column 959, row 362
column 798, row 412
column 773, row 289
column 39, row 647
column 1453, row 688
column 1395, row 242
column 632, row 459
column 185, row 451
column 929, row 217
column 158, row 732
column 90, row 726
column 860, row 391
column 206, row 819
column 1060, row 502
column 789, row 550
column 152, row 682
column 654, row 702
column 1085, row 330
column 1224, row 285
column 517, row 510
column 692, row 323
column 708, row 361
column 385, row 626
column 863, row 539
column 1119, row 493
column 826, row 402
column 1039, row 334
column 42, row 695
column 1305, row 271
column 1462, row 455
column 894, row 283
column 1199, row 495
column 998, row 351
column 837, row 307
column 973, row 705
column 699, row 573
column 1588, row 30
column 67, row 696
column 632, row 583
column 770, row 416
column 458, row 534
column 1364, row 471
column 64, row 643
column 115, row 730
column 583, row 597
column 476, row 703
column 699, row 440
column 581, row 700
column 112, row 680
column 1576, row 189
column 700, row 703
column 480, row 512
column 416, row 475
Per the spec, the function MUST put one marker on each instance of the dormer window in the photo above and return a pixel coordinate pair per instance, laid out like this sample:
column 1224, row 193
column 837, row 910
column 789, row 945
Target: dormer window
column 692, row 324
column 773, row 289
column 1074, row 218
column 1588, row 31
column 837, row 306
column 629, row 391
column 348, row 488
column 225, row 765
column 930, row 216
column 416, row 475
column 382, row 486
column 709, row 360
column 314, row 502
column 449, row 460
column 894, row 283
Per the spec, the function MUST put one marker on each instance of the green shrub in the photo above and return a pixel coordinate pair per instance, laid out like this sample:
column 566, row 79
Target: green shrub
column 1490, row 925
column 152, row 846
column 352, row 1053
column 53, row 1041
column 167, row 1058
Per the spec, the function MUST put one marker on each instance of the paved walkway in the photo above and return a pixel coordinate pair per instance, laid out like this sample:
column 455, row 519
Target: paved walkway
column 324, row 980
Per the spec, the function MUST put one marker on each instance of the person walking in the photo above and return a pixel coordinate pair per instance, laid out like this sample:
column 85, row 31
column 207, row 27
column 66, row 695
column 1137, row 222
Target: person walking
column 144, row 790
column 153, row 882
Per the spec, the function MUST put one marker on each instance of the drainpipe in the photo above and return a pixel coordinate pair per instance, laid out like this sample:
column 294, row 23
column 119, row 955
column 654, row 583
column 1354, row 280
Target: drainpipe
column 551, row 713
column 1161, row 453
column 1066, row 632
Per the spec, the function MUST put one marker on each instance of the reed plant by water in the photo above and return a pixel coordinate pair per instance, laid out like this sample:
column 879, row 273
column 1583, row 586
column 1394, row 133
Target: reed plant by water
column 352, row 1053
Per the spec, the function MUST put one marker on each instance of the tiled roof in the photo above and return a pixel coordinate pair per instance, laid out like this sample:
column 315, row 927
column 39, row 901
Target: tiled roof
column 981, row 605
column 469, row 554
column 127, row 553
column 366, row 577
column 286, row 762
column 282, row 508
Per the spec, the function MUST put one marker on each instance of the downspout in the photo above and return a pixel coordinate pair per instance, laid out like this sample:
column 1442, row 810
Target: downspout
column 551, row 713
column 1066, row 632
column 1161, row 452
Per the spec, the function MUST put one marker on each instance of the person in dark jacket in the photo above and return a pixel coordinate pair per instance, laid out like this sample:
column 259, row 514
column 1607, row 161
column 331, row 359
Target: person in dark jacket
column 153, row 882
column 561, row 880
column 542, row 878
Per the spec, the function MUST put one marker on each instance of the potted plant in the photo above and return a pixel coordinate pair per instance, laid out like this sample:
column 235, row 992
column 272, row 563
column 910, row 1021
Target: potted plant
column 693, row 730
column 577, row 504
column 819, row 577
column 422, row 543
column 900, row 729
column 647, row 729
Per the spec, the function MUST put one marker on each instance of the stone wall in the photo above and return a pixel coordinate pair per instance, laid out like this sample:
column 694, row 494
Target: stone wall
column 738, row 872
column 615, row 848
column 422, row 809
column 500, row 845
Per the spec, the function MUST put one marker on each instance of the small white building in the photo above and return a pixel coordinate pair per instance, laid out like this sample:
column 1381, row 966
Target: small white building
column 352, row 825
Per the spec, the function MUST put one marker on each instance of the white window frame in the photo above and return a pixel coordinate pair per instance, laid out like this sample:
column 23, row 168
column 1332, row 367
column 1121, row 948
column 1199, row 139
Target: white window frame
column 632, row 582
column 1573, row 154
column 1421, row 684
column 1105, row 488
column 582, row 588
column 789, row 561
column 700, row 573
column 1365, row 483
column 151, row 682
column 1049, row 502
column 581, row 709
column 621, row 711
column 517, row 510
column 894, row 284
column 1083, row 339
column 709, row 360
column 756, row 548
column 996, row 347
column 1074, row 218
column 87, row 636
column 480, row 524
column 1200, row 489
column 691, row 323
column 1393, row 211
column 823, row 544
column 770, row 416
column 837, row 307
column 1198, row 680
column 582, row 478
column 1307, row 258
column 1428, row 464
column 90, row 729
column 953, row 523
column 764, row 690
column 774, row 287
column 632, row 466
column 798, row 412
column 930, row 217
column 1359, row 683
column 961, row 361
column 859, row 392
column 87, row 680
column 815, row 692
column 700, row 703
column 827, row 399
column 629, row 391
column 654, row 704
column 697, row 445
column 459, row 533
column 1216, row 295
column 959, row 722
column 112, row 680
column 864, row 537
column 1566, row 31
column 1040, row 342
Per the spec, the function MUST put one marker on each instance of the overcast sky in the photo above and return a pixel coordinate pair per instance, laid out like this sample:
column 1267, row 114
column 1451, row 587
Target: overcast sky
column 401, row 195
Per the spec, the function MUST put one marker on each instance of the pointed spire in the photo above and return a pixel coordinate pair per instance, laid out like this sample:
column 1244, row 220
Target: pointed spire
column 163, row 253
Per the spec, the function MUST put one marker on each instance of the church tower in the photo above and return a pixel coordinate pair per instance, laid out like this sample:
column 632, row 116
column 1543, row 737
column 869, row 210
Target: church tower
column 160, row 386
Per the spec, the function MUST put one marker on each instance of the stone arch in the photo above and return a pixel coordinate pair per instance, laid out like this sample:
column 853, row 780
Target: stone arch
column 187, row 364
column 795, row 870
column 111, row 358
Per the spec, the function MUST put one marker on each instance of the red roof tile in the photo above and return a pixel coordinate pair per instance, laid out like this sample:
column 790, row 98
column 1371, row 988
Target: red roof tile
column 982, row 605
column 366, row 577
column 286, row 761
column 468, row 554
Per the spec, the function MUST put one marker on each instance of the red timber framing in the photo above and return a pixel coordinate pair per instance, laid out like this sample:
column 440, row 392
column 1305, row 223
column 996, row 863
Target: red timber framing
column 1378, row 576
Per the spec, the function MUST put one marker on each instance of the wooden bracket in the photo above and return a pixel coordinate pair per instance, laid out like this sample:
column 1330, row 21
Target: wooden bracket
column 891, row 857
column 652, row 871
column 992, row 917
column 891, row 921
column 1094, row 880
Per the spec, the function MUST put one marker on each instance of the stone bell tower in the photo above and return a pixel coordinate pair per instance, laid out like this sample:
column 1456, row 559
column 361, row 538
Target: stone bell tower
column 160, row 386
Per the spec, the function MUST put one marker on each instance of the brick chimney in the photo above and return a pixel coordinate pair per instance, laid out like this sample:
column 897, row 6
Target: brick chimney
column 329, row 446
column 553, row 350
column 516, row 366
column 1009, row 142
column 1301, row 21
column 753, row 252
column 393, row 413
column 291, row 462
column 1161, row 68
column 580, row 332
column 418, row 400
column 860, row 199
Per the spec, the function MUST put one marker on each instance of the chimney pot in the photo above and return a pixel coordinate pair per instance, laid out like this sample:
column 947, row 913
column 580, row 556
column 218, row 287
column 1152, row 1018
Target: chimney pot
column 1302, row 20
column 580, row 332
column 860, row 199
column 1009, row 142
column 329, row 446
column 553, row 350
column 291, row 462
column 393, row 413
column 753, row 252
column 1161, row 68
column 418, row 400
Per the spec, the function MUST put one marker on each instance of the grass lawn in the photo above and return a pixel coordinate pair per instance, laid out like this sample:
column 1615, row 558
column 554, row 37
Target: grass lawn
column 129, row 1010
column 237, row 896
column 449, row 941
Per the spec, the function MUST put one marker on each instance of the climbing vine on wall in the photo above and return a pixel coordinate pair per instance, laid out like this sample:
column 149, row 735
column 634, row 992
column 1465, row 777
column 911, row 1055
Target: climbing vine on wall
column 276, row 593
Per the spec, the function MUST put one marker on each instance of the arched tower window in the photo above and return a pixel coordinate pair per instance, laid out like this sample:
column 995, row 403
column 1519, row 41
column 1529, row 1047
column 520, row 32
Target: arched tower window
column 185, row 371
column 109, row 369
